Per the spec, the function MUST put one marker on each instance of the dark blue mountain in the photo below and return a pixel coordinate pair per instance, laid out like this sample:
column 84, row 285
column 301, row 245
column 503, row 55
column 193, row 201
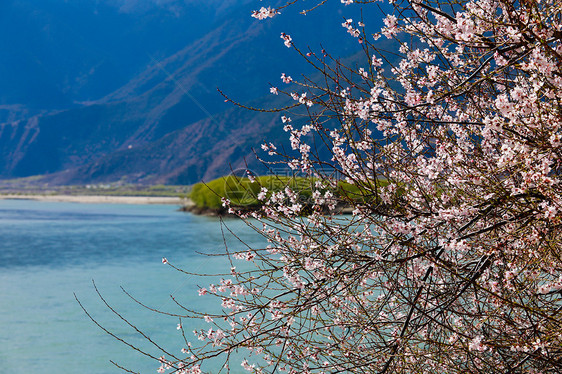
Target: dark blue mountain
column 57, row 53
column 93, row 90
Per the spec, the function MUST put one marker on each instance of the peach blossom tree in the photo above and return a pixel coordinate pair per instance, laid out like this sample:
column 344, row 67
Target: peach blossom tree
column 451, row 260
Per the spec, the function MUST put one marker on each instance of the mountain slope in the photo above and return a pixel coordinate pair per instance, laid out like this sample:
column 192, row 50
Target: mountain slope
column 168, row 123
column 58, row 53
column 200, row 151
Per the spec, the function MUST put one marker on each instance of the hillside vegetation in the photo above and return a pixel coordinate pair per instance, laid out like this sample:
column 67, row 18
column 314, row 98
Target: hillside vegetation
column 243, row 192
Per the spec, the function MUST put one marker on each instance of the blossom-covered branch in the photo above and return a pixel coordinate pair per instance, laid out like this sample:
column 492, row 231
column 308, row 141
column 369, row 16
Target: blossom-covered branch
column 451, row 261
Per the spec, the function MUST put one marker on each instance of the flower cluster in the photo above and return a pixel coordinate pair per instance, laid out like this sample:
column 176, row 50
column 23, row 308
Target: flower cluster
column 264, row 13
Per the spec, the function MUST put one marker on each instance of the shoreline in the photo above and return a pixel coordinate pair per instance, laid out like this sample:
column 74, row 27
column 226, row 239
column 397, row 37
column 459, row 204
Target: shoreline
column 99, row 199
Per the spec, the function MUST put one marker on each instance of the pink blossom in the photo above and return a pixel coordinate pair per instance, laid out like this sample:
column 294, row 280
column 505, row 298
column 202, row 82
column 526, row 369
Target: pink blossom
column 264, row 13
column 391, row 26
column 286, row 39
column 286, row 79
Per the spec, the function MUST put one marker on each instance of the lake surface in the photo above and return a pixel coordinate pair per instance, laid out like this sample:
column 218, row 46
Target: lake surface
column 51, row 251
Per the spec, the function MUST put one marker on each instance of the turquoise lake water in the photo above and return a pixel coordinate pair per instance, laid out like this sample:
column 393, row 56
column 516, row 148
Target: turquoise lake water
column 51, row 251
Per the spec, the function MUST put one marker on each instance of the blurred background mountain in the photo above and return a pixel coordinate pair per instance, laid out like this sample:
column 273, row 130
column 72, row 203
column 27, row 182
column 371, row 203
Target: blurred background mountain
column 96, row 91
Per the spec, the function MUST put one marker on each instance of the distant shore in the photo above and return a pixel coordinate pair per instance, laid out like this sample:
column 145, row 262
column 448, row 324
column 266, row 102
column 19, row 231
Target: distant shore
column 99, row 199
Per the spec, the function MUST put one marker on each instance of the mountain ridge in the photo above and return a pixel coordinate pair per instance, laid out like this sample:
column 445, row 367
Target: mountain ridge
column 169, row 109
